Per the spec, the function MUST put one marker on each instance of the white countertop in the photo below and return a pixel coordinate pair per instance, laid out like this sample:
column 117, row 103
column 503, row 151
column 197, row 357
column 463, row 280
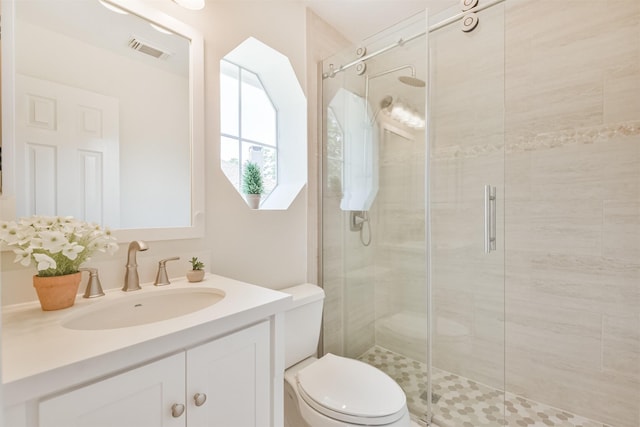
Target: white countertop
column 39, row 353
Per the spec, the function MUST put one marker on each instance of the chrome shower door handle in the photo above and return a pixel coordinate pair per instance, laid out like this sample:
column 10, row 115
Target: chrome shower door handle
column 489, row 218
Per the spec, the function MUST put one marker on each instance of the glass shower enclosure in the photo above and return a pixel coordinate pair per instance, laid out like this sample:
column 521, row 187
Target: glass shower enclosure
column 373, row 206
column 481, row 232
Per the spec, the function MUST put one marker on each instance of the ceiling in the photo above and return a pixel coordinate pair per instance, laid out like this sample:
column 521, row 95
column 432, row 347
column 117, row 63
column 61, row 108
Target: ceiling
column 359, row 19
column 91, row 23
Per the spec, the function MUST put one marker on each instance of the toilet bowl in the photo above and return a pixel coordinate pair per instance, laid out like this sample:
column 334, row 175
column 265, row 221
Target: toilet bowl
column 335, row 391
column 332, row 391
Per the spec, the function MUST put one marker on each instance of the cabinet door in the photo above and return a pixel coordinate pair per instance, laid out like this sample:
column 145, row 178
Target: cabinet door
column 234, row 374
column 142, row 397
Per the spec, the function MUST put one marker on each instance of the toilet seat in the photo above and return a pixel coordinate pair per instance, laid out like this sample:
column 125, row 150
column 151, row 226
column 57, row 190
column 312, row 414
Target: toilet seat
column 351, row 391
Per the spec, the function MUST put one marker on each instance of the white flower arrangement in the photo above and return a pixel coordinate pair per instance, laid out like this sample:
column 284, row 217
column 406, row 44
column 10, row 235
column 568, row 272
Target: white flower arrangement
column 57, row 245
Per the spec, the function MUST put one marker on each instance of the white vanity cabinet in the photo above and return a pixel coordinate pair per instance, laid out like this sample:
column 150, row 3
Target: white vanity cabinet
column 140, row 397
column 224, row 362
column 233, row 375
column 225, row 382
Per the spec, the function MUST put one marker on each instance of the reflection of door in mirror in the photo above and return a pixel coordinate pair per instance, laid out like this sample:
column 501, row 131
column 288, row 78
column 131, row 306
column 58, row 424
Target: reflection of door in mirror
column 83, row 45
column 67, row 149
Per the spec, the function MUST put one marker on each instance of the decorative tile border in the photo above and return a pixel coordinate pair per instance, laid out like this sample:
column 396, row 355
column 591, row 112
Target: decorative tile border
column 460, row 402
column 539, row 141
column 589, row 135
column 466, row 152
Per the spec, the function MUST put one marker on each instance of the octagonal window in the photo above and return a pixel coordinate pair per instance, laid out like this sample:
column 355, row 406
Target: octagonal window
column 263, row 121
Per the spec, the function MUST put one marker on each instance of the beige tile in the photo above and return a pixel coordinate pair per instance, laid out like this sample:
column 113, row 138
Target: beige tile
column 552, row 103
column 621, row 344
column 558, row 82
column 517, row 176
column 622, row 91
column 592, row 283
column 488, row 318
column 404, row 332
column 395, row 224
column 555, row 335
column 606, row 396
column 359, row 315
column 558, row 226
column 586, row 171
column 477, row 359
column 621, row 230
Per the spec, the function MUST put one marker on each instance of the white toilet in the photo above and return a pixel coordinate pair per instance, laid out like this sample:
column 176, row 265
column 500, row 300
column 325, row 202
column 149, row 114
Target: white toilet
column 332, row 391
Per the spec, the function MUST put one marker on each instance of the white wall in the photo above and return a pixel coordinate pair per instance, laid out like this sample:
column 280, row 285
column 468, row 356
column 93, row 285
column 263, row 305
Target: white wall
column 268, row 248
column 146, row 119
column 263, row 247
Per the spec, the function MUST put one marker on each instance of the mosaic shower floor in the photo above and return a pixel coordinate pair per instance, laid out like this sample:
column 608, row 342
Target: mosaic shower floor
column 460, row 402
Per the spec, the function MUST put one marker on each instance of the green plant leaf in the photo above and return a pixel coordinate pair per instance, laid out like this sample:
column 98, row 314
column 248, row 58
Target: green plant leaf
column 252, row 179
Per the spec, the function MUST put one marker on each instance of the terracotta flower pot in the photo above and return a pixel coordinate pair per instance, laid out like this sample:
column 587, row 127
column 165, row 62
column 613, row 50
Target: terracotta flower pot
column 57, row 292
column 195, row 275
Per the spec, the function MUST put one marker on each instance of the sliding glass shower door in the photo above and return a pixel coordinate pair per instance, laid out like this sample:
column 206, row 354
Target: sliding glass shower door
column 466, row 186
column 374, row 245
column 540, row 102
column 382, row 178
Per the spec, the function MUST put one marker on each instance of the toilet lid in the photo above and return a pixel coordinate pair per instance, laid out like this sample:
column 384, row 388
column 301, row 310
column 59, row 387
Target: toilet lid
column 352, row 391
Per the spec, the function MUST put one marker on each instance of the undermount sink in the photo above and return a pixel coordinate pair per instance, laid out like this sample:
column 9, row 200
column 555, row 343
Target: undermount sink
column 135, row 310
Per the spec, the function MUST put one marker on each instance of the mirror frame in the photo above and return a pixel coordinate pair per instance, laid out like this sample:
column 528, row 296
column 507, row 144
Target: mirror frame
column 196, row 101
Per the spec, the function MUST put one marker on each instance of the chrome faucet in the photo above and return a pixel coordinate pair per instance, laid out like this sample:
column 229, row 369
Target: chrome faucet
column 131, row 279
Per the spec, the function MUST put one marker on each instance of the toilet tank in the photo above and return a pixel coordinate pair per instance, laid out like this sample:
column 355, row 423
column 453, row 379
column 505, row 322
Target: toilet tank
column 302, row 323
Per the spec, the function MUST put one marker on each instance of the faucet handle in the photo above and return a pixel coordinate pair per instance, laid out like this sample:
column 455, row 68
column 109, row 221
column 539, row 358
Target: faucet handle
column 162, row 278
column 94, row 288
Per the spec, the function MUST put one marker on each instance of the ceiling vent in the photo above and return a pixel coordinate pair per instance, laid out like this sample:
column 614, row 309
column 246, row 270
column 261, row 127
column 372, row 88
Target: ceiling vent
column 144, row 47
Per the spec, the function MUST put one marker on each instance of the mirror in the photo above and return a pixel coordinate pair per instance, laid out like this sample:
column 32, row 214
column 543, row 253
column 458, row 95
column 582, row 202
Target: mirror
column 108, row 117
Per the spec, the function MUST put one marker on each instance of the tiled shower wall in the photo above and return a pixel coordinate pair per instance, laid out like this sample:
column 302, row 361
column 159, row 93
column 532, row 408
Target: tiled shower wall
column 572, row 205
column 542, row 100
column 555, row 125
column 376, row 294
column 400, row 251
column 348, row 319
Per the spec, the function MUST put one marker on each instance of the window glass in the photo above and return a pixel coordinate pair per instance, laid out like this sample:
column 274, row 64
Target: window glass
column 248, row 126
column 258, row 113
column 230, row 160
column 229, row 99
column 264, row 117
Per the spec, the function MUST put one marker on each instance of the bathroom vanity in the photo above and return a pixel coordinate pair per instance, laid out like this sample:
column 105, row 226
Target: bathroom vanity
column 181, row 355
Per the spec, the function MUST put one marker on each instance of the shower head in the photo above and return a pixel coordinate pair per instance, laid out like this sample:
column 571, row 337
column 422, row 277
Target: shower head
column 386, row 102
column 412, row 81
column 399, row 111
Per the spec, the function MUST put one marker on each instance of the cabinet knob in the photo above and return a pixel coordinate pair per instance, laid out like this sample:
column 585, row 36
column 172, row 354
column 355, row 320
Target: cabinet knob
column 200, row 398
column 177, row 410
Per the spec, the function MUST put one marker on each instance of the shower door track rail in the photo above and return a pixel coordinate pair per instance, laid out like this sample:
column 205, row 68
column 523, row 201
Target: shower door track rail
column 402, row 41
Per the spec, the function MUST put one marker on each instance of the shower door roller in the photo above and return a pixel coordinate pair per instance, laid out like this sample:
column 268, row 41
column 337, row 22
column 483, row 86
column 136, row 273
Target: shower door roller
column 468, row 4
column 469, row 22
column 489, row 218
